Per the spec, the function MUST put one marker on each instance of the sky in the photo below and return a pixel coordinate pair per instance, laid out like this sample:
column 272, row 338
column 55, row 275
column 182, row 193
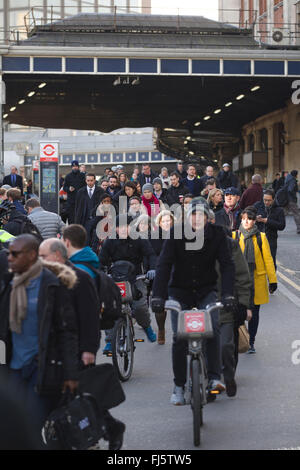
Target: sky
column 206, row 8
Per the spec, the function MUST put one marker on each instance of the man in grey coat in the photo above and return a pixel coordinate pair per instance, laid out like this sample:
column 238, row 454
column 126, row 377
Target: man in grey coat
column 48, row 223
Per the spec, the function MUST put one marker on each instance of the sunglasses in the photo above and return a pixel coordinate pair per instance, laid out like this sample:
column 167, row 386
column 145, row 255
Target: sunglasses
column 15, row 254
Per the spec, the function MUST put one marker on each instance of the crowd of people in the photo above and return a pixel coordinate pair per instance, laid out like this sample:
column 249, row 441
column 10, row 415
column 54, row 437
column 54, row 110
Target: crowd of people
column 49, row 302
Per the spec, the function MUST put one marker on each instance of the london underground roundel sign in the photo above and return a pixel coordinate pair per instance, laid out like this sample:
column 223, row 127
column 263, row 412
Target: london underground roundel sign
column 49, row 151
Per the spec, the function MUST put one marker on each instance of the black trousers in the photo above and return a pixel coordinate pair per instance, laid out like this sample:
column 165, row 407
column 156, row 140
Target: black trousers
column 253, row 324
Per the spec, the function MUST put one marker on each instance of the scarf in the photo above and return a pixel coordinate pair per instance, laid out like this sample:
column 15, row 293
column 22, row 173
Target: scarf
column 149, row 203
column 18, row 296
column 231, row 214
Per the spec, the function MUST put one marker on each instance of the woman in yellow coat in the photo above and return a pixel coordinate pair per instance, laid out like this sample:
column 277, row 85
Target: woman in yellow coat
column 256, row 250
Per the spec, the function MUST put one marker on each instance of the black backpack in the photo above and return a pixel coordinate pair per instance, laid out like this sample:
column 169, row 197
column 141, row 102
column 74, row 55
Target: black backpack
column 109, row 297
column 26, row 226
column 281, row 197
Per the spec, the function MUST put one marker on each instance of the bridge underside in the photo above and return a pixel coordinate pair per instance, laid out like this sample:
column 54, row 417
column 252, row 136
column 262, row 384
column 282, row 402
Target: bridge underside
column 173, row 105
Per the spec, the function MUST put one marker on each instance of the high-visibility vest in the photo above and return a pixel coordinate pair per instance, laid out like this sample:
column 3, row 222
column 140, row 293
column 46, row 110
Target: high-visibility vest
column 6, row 237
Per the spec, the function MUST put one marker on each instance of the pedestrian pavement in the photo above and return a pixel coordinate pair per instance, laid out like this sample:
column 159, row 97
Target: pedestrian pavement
column 288, row 260
column 264, row 415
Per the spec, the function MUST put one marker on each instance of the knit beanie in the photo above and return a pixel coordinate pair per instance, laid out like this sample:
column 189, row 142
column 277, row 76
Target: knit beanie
column 157, row 180
column 147, row 187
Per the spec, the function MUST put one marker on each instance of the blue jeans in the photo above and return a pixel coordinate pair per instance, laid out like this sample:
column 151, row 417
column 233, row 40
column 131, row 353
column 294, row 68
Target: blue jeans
column 212, row 346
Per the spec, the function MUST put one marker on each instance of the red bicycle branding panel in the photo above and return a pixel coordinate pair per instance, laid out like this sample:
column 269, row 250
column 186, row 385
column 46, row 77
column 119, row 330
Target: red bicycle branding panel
column 194, row 322
column 122, row 287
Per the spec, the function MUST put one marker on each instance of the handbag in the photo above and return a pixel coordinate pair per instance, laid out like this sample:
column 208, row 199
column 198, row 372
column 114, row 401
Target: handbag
column 75, row 425
column 243, row 339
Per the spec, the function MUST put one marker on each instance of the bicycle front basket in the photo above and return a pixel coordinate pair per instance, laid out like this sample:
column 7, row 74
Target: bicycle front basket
column 126, row 291
column 194, row 324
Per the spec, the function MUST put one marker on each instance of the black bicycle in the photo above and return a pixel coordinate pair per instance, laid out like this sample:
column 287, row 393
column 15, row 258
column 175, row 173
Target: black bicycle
column 123, row 335
column 195, row 325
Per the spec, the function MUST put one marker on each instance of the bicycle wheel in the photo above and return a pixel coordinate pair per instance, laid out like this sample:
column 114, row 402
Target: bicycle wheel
column 196, row 400
column 123, row 349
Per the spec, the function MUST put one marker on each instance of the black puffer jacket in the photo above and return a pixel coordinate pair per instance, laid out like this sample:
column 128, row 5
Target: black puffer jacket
column 182, row 273
column 127, row 250
column 58, row 331
column 276, row 220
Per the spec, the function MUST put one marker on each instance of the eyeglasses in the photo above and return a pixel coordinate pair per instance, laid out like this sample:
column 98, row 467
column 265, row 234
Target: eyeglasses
column 15, row 254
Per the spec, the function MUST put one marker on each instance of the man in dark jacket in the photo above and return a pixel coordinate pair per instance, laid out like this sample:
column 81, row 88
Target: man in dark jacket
column 125, row 248
column 252, row 194
column 38, row 327
column 147, row 175
column 180, row 170
column 14, row 180
column 270, row 218
column 191, row 181
column 209, row 173
column 87, row 199
column 292, row 190
column 229, row 215
column 226, row 178
column 11, row 218
column 84, row 299
column 176, row 191
column 189, row 276
column 73, row 182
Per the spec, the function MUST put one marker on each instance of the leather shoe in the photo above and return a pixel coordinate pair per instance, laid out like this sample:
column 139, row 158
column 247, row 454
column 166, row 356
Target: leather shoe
column 231, row 388
column 117, row 436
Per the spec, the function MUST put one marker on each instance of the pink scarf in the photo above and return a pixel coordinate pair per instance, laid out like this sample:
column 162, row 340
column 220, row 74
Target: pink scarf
column 149, row 204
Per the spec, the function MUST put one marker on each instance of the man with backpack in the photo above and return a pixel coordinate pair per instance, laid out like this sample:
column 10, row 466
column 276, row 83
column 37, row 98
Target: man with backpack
column 16, row 223
column 83, row 258
column 48, row 223
column 126, row 248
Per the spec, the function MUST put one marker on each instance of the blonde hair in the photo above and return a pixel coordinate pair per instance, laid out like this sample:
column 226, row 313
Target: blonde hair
column 213, row 192
column 162, row 214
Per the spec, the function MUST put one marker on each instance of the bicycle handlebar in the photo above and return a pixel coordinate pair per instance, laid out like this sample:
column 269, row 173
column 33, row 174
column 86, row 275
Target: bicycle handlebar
column 141, row 277
column 174, row 305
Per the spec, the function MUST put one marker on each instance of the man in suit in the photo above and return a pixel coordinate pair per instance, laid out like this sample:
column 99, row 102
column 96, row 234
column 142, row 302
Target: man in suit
column 14, row 180
column 147, row 175
column 87, row 199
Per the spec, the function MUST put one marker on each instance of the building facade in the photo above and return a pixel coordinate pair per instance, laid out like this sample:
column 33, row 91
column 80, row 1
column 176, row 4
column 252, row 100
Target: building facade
column 273, row 21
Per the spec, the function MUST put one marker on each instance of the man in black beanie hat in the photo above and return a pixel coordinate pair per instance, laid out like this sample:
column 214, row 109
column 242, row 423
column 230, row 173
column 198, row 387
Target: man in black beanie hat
column 73, row 182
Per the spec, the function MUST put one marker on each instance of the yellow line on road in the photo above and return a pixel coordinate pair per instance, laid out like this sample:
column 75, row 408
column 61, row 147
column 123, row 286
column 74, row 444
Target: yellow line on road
column 289, row 281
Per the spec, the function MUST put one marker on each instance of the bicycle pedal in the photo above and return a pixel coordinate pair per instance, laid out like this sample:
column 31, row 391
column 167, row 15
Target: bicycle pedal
column 108, row 354
column 139, row 340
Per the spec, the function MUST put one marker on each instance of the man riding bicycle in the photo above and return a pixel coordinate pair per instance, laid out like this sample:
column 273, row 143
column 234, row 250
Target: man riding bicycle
column 125, row 248
column 189, row 276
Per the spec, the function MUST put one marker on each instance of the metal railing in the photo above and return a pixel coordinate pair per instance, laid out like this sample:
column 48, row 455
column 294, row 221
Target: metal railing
column 262, row 31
